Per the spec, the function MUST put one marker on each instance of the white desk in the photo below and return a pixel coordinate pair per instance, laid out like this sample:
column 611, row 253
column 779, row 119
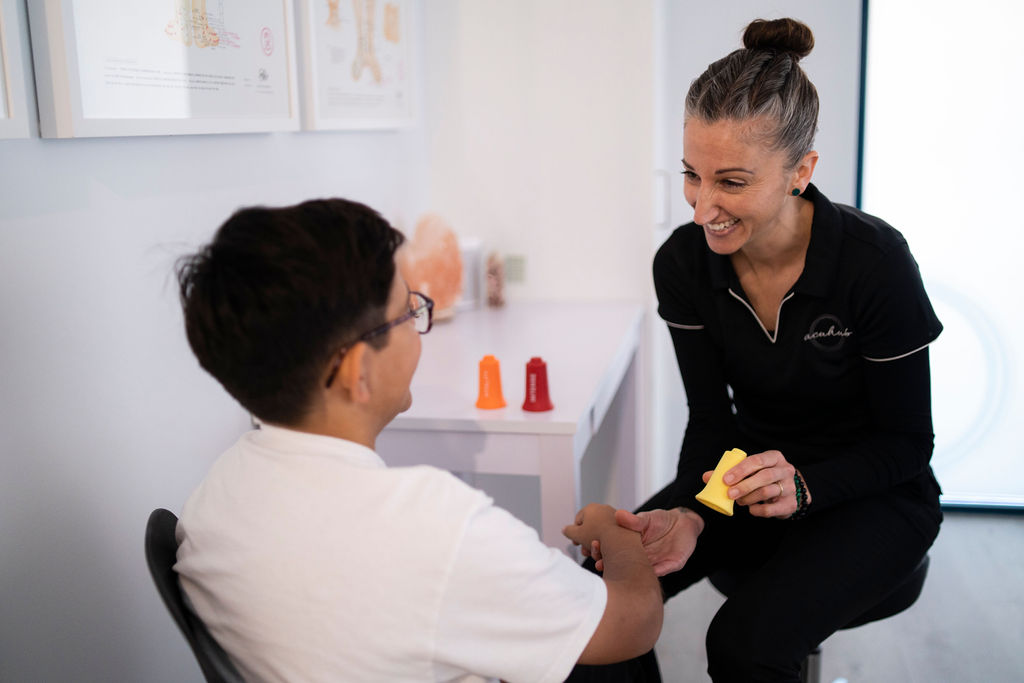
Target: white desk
column 591, row 353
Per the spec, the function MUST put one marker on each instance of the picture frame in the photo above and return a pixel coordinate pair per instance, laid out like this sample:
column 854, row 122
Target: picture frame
column 358, row 65
column 17, row 103
column 106, row 68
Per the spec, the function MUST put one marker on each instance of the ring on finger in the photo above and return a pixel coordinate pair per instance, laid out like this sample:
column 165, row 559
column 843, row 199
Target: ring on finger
column 782, row 491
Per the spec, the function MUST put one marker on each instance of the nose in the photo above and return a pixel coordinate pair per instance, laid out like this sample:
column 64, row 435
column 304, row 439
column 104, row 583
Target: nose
column 704, row 206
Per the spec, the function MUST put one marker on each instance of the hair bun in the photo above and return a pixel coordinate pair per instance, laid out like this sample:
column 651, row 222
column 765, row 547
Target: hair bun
column 781, row 35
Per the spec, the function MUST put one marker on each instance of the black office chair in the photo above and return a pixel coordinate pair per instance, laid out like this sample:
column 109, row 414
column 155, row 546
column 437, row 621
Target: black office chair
column 901, row 598
column 161, row 554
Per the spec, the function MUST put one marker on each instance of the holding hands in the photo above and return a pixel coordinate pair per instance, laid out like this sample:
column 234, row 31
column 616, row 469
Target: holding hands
column 668, row 537
column 763, row 482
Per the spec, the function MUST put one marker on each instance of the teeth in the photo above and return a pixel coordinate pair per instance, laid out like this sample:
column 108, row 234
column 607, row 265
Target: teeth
column 719, row 227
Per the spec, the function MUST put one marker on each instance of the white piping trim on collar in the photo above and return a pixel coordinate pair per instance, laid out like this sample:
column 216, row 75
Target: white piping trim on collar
column 904, row 355
column 684, row 327
column 778, row 314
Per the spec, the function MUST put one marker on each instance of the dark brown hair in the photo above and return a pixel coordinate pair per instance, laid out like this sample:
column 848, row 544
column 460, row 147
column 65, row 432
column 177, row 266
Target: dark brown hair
column 278, row 291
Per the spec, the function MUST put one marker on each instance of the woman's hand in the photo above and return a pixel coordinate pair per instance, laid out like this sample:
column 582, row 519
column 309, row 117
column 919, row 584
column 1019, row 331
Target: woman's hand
column 668, row 537
column 764, row 483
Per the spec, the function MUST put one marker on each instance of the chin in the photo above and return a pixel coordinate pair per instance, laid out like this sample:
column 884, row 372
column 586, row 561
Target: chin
column 729, row 242
column 723, row 247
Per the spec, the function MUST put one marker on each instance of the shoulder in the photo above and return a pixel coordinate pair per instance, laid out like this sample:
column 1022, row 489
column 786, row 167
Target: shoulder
column 683, row 277
column 873, row 254
column 683, row 251
column 868, row 235
column 428, row 488
column 884, row 286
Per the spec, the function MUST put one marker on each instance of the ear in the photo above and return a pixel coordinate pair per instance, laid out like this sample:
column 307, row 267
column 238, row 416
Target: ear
column 353, row 374
column 804, row 170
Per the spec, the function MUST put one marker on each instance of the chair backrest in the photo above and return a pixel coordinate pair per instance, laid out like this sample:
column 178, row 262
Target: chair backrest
column 161, row 554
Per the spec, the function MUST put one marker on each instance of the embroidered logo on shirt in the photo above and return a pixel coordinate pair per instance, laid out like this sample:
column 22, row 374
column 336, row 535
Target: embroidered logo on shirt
column 827, row 333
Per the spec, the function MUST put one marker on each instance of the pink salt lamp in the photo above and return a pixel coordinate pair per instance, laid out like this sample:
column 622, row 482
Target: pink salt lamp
column 431, row 263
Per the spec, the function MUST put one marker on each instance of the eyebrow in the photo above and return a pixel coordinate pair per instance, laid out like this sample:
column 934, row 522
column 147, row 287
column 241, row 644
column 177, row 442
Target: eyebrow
column 734, row 169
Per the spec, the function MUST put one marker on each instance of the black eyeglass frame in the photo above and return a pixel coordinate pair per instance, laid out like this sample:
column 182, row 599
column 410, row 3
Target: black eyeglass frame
column 428, row 304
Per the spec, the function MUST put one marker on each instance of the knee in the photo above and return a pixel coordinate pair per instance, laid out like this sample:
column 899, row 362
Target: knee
column 729, row 648
column 741, row 650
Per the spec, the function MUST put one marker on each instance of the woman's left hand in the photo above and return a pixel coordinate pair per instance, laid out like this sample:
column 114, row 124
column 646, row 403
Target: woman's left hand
column 764, row 483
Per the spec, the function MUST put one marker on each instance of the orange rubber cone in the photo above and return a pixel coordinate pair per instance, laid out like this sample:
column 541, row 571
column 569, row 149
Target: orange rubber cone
column 490, row 396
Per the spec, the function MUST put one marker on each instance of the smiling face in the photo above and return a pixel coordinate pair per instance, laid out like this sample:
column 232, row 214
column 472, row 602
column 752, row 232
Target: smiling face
column 739, row 188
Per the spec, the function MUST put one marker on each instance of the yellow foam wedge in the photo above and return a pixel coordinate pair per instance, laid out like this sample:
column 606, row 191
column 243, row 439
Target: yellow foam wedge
column 714, row 494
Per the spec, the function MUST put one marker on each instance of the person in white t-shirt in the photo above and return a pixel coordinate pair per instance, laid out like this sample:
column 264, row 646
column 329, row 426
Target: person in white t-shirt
column 311, row 560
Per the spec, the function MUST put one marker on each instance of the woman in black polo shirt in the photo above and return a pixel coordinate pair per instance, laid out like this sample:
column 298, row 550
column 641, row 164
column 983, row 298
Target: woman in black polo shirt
column 801, row 330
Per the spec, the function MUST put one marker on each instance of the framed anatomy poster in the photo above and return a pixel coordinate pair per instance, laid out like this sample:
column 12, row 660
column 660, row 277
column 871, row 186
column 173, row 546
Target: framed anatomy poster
column 16, row 110
column 357, row 63
column 112, row 68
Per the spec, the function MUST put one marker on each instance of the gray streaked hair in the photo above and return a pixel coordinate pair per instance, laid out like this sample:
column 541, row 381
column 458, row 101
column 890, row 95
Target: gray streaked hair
column 762, row 84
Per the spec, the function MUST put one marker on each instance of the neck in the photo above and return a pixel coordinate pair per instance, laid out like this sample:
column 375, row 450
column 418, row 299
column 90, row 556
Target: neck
column 341, row 423
column 785, row 245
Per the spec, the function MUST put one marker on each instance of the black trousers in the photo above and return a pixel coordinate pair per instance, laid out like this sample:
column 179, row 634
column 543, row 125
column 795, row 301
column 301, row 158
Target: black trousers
column 810, row 578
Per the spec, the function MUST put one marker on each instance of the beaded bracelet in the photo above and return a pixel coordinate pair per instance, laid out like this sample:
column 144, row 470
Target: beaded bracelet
column 802, row 504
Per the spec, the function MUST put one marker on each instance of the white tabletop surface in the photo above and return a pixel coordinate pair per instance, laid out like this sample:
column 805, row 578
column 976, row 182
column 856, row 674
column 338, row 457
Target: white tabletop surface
column 586, row 346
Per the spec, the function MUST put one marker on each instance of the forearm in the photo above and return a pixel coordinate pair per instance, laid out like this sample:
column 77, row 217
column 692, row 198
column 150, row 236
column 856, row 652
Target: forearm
column 875, row 464
column 711, row 427
column 633, row 614
column 896, row 447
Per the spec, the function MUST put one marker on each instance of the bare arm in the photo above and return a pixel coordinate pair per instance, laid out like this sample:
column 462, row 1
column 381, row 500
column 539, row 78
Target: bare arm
column 633, row 614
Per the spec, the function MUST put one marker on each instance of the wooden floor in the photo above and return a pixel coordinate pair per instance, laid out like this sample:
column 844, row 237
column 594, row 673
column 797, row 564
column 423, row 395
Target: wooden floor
column 967, row 626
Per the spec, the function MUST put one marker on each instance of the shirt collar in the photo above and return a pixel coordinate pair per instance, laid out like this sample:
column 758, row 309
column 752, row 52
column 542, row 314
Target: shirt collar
column 292, row 442
column 820, row 265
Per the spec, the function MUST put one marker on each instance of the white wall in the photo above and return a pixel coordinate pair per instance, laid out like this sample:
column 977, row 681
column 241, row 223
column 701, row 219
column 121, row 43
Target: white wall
column 690, row 36
column 541, row 133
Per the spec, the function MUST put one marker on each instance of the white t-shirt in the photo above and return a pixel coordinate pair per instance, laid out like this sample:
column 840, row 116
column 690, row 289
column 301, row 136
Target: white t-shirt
column 310, row 560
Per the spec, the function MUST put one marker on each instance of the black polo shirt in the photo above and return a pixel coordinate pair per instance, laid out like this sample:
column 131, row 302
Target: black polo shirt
column 859, row 300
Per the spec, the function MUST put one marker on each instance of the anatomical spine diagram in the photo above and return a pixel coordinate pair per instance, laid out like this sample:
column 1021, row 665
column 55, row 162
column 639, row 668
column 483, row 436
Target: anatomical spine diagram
column 191, row 24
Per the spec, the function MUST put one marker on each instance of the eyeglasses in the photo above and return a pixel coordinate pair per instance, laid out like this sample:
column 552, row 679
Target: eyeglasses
column 421, row 308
